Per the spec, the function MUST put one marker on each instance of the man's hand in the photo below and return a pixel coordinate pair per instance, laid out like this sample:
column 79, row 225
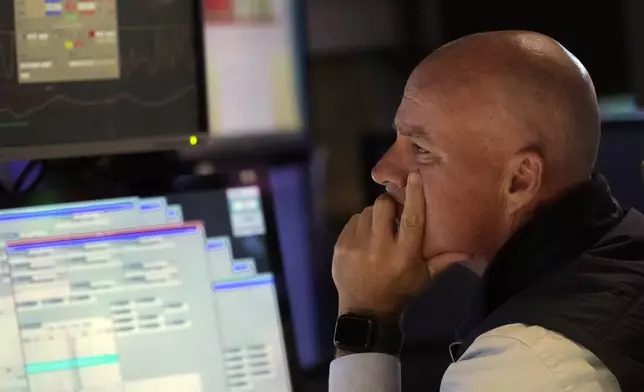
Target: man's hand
column 377, row 270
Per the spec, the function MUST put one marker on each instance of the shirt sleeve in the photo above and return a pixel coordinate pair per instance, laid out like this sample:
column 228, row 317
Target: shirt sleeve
column 365, row 372
column 527, row 359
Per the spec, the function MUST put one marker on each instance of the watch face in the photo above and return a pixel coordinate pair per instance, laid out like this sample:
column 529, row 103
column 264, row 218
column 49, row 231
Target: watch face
column 354, row 333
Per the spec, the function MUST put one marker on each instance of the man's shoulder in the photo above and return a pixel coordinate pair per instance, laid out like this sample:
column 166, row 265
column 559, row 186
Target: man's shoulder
column 534, row 342
column 533, row 356
column 551, row 347
column 528, row 336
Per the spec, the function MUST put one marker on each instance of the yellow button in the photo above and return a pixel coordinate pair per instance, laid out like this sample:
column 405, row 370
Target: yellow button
column 69, row 45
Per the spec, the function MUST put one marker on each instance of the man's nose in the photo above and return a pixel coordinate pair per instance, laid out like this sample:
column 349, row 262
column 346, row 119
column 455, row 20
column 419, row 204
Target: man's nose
column 390, row 169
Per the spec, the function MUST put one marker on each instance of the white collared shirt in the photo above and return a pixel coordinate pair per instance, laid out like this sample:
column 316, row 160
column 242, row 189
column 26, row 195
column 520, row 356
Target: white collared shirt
column 510, row 358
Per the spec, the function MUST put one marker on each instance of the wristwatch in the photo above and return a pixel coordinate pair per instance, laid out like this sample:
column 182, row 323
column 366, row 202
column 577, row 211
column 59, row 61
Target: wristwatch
column 365, row 334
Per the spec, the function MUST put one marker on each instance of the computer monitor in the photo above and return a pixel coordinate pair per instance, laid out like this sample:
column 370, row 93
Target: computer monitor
column 87, row 77
column 253, row 64
column 171, row 293
column 98, row 73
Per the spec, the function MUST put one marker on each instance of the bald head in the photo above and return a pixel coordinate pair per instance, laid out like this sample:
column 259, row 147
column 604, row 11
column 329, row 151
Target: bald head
column 515, row 90
column 497, row 124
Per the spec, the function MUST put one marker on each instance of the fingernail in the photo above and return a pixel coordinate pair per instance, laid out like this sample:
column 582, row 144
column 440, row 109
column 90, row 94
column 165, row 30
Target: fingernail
column 414, row 178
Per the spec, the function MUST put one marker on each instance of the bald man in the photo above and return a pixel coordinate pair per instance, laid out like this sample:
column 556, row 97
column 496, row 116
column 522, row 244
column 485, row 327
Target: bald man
column 497, row 136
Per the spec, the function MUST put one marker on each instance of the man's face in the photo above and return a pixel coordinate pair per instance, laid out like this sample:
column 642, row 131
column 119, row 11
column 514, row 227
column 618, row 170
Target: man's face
column 462, row 175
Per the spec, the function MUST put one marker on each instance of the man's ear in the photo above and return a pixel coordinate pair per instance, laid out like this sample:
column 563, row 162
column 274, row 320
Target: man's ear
column 523, row 181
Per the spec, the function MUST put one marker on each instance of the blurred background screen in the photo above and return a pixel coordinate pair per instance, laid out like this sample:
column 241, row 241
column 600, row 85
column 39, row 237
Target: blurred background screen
column 94, row 71
column 90, row 71
column 252, row 67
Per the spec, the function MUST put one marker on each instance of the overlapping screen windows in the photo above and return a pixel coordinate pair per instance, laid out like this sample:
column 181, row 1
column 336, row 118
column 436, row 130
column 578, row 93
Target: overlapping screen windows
column 130, row 213
column 116, row 215
column 109, row 269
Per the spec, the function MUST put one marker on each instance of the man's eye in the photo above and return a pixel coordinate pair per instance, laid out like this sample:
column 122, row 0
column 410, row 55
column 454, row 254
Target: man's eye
column 419, row 150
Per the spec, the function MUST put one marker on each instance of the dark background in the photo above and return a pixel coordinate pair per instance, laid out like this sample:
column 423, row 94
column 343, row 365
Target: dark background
column 593, row 31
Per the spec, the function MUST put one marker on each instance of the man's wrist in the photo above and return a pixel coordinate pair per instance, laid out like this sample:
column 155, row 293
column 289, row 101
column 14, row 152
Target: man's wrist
column 385, row 332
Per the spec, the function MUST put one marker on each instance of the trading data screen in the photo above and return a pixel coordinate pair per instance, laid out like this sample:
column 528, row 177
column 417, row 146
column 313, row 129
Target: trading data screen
column 252, row 67
column 76, row 71
column 162, row 294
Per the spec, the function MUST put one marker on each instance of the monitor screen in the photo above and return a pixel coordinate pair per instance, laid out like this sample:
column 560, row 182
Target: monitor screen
column 171, row 293
column 82, row 71
column 252, row 67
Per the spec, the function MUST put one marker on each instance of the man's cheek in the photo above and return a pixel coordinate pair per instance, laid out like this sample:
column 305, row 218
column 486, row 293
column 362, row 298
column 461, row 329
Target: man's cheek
column 432, row 227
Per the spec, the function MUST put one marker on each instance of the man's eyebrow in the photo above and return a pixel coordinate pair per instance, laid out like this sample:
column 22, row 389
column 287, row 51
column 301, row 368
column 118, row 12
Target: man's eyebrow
column 412, row 132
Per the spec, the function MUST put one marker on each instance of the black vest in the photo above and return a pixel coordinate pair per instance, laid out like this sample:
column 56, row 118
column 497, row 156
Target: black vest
column 577, row 269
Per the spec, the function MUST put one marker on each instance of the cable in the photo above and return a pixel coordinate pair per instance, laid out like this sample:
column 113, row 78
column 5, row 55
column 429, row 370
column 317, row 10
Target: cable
column 24, row 176
column 37, row 180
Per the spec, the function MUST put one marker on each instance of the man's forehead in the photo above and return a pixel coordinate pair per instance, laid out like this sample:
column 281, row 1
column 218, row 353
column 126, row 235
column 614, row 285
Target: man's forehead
column 434, row 116
column 443, row 103
column 414, row 114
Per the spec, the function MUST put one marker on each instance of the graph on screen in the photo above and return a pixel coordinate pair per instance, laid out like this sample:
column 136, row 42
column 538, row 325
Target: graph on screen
column 165, row 56
column 104, row 70
column 66, row 40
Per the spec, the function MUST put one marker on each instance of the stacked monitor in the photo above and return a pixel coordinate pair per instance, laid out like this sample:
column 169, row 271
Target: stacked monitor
column 171, row 293
column 106, row 76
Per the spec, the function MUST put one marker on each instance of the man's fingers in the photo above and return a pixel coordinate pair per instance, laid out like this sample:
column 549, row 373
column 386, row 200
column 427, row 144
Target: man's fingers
column 365, row 222
column 349, row 230
column 384, row 217
column 412, row 222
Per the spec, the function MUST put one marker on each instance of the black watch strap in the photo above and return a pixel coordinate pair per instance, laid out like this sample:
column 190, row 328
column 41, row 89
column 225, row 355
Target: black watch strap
column 389, row 338
column 356, row 333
